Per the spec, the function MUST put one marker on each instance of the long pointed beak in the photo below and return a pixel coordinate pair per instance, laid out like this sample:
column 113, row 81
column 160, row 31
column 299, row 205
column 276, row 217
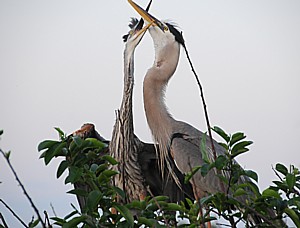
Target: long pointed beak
column 147, row 16
column 141, row 22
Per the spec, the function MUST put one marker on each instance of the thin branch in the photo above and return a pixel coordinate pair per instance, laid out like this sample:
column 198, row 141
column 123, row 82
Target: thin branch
column 3, row 221
column 276, row 173
column 53, row 210
column 23, row 188
column 47, row 221
column 205, row 112
column 13, row 213
column 258, row 214
column 203, row 102
column 157, row 204
column 197, row 198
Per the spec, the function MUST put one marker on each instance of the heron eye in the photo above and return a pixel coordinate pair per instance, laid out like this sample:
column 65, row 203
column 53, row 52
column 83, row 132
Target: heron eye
column 166, row 28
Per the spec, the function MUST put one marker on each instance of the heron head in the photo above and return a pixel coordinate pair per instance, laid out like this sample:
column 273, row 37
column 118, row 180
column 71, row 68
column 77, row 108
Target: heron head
column 136, row 33
column 161, row 32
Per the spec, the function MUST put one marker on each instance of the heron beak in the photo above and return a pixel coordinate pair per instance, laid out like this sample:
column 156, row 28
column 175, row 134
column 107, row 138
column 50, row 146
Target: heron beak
column 147, row 16
column 143, row 30
column 140, row 30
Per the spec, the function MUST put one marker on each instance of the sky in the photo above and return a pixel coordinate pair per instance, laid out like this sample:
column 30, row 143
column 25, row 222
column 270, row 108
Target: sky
column 61, row 65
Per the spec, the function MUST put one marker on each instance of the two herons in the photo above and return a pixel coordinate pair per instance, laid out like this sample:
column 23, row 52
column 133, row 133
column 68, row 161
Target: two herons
column 177, row 143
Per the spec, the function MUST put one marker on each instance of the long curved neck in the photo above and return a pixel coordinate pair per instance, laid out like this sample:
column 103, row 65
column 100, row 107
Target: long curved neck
column 159, row 119
column 126, row 114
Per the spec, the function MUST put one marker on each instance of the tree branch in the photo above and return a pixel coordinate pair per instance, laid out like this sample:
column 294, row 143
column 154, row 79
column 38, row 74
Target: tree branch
column 23, row 188
column 14, row 214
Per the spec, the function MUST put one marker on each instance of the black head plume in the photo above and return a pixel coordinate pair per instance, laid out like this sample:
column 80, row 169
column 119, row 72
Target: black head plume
column 176, row 33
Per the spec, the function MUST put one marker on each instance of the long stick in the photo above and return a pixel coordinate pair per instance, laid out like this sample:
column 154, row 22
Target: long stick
column 14, row 214
column 205, row 112
column 23, row 188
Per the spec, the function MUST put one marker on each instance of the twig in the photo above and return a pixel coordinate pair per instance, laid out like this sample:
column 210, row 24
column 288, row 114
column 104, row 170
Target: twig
column 294, row 190
column 203, row 102
column 159, row 207
column 23, row 188
column 53, row 210
column 47, row 219
column 14, row 214
column 3, row 221
column 197, row 198
column 258, row 214
column 276, row 173
column 205, row 112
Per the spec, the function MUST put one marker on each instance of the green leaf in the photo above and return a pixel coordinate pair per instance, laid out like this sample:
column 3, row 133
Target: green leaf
column 220, row 162
column 74, row 174
column 204, row 169
column 54, row 151
column 158, row 199
column 283, row 186
column 110, row 159
column 94, row 167
column 173, row 207
column 78, row 192
column 7, row 155
column 189, row 175
column 109, row 173
column 34, row 223
column 135, row 204
column 75, row 221
column 78, row 141
column 146, row 221
column 290, row 180
column 224, row 145
column 236, row 137
column 60, row 133
column 95, row 143
column 293, row 215
column 70, row 215
column 119, row 191
column 253, row 175
column 239, row 192
column 203, row 149
column 125, row 212
column 253, row 187
column 49, row 154
column 270, row 193
column 205, row 199
column 46, row 144
column 221, row 133
column 58, row 221
column 281, row 168
column 240, row 148
column 93, row 199
column 61, row 168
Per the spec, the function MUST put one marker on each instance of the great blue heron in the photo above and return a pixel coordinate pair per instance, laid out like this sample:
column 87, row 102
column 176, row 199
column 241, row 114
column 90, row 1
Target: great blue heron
column 176, row 138
column 124, row 144
column 137, row 162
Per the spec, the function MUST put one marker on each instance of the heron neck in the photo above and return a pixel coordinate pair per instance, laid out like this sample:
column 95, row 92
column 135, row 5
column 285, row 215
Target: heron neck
column 126, row 105
column 158, row 118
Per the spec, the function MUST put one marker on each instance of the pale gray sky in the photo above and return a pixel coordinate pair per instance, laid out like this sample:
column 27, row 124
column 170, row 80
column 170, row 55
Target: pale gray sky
column 61, row 64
